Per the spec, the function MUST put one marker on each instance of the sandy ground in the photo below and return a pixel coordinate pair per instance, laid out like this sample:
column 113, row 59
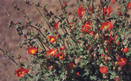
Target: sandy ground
column 8, row 36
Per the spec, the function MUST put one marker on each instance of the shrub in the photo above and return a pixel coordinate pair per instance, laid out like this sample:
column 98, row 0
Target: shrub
column 92, row 46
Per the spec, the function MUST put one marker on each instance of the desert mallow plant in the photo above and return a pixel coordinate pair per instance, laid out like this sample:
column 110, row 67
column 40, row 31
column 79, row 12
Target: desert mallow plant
column 92, row 46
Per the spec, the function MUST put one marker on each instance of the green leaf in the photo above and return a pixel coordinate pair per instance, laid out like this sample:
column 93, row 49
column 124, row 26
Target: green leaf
column 93, row 78
column 86, row 72
column 101, row 51
column 49, row 79
column 128, row 53
column 113, row 74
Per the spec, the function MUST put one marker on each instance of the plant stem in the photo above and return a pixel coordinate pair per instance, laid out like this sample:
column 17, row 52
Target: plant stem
column 43, row 16
column 64, row 12
column 38, row 30
column 102, row 5
column 41, row 34
column 42, row 43
column 93, row 5
column 5, row 54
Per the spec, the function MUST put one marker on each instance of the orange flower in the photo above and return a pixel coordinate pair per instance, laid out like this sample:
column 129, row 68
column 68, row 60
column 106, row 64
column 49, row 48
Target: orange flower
column 62, row 48
column 119, row 13
column 106, row 25
column 80, row 12
column 106, row 50
column 77, row 73
column 19, row 57
column 126, row 49
column 51, row 52
column 51, row 67
column 87, row 45
column 40, row 49
column 79, row 58
column 113, row 1
column 121, row 61
column 86, row 27
column 21, row 72
column 52, row 39
column 102, row 55
column 90, row 9
column 106, row 58
column 32, row 50
column 64, row 5
column 71, row 23
column 129, row 5
column 56, row 25
column 25, row 36
column 90, row 33
column 116, row 79
column 60, row 55
column 117, row 43
column 108, row 41
column 103, row 69
column 71, row 65
column 108, row 10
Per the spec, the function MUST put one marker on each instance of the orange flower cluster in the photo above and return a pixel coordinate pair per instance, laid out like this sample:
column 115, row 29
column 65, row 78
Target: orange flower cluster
column 86, row 28
column 53, row 52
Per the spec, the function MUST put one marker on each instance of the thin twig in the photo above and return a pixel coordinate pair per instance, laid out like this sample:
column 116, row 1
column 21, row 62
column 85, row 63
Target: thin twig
column 42, row 43
column 102, row 5
column 93, row 5
column 35, row 27
column 41, row 34
column 5, row 54
column 64, row 12
column 43, row 16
